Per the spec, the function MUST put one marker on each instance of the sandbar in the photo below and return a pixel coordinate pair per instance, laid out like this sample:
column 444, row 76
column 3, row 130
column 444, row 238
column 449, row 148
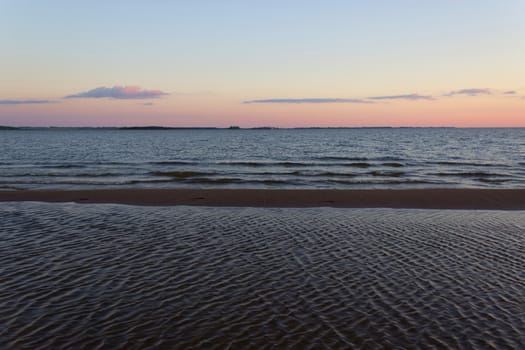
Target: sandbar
column 489, row 199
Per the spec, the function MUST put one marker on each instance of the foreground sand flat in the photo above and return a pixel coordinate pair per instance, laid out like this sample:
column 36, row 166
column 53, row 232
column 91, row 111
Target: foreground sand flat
column 503, row 199
column 85, row 276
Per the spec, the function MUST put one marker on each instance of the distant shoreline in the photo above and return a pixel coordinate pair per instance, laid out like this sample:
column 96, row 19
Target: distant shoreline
column 155, row 127
column 485, row 199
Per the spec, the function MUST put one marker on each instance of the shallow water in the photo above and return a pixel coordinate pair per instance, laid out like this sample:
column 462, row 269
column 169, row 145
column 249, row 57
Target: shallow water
column 288, row 158
column 111, row 276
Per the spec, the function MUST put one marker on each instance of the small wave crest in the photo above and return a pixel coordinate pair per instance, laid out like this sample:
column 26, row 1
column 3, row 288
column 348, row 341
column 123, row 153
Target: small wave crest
column 387, row 173
column 469, row 174
column 393, row 165
column 342, row 158
column 173, row 162
column 219, row 180
column 179, row 174
column 470, row 164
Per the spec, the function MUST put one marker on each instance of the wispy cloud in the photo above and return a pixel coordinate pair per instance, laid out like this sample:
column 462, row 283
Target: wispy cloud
column 510, row 92
column 470, row 92
column 309, row 100
column 24, row 102
column 119, row 92
column 409, row 97
column 148, row 104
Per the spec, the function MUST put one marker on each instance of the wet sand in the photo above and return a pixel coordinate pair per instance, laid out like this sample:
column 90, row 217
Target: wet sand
column 492, row 199
column 106, row 276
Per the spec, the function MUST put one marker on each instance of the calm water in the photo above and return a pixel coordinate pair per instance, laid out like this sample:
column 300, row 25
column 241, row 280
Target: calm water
column 320, row 158
column 119, row 277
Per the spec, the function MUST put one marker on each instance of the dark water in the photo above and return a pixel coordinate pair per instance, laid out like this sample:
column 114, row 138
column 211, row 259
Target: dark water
column 319, row 158
column 113, row 277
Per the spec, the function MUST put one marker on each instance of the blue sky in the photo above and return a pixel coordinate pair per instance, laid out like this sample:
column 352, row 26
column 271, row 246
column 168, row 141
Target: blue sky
column 228, row 52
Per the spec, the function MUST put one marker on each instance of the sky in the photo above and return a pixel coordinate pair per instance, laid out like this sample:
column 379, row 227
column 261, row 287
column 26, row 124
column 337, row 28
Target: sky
column 287, row 63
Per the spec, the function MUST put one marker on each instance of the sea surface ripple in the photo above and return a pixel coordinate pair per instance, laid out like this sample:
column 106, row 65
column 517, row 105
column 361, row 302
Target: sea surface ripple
column 282, row 158
column 121, row 277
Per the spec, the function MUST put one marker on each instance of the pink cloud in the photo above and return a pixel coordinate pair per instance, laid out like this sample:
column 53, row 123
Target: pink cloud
column 119, row 92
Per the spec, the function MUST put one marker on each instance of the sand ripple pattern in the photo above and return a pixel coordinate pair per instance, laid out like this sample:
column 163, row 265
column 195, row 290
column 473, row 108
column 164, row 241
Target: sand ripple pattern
column 121, row 277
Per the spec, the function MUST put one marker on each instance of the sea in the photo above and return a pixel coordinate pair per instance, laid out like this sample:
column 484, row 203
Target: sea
column 110, row 276
column 83, row 158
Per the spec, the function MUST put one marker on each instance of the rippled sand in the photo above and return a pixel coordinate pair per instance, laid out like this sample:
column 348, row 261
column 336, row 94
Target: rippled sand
column 111, row 276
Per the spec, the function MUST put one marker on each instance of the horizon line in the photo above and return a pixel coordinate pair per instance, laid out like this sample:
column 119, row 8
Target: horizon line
column 235, row 127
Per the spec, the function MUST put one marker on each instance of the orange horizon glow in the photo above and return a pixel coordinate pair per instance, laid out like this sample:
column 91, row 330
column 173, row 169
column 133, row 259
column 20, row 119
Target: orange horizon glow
column 332, row 64
column 218, row 111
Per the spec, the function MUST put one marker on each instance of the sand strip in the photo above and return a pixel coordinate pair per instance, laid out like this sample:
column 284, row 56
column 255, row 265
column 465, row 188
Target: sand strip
column 504, row 199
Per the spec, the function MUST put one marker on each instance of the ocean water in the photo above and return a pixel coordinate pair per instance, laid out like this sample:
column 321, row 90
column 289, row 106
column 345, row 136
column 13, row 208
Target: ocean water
column 77, row 276
column 283, row 158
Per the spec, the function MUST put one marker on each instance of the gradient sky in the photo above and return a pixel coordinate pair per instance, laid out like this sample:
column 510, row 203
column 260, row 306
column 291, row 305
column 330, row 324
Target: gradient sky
column 262, row 63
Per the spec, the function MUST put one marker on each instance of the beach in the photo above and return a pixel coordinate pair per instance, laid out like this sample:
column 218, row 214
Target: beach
column 502, row 199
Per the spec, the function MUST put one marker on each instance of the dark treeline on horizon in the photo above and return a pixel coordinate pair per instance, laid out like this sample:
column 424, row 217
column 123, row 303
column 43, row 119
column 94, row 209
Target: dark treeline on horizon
column 155, row 127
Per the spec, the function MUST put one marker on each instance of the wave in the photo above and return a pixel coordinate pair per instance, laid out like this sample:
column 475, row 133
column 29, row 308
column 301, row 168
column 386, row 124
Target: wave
column 305, row 173
column 99, row 174
column 288, row 164
column 393, row 165
column 179, row 174
column 388, row 158
column 292, row 164
column 63, row 166
column 358, row 159
column 336, row 158
column 80, row 164
column 220, row 180
column 247, row 163
column 296, row 173
column 470, row 174
column 270, row 182
column 358, row 165
column 494, row 181
column 384, row 182
column 329, row 173
column 471, row 164
column 173, row 162
column 148, row 181
column 272, row 173
column 63, row 175
column 387, row 173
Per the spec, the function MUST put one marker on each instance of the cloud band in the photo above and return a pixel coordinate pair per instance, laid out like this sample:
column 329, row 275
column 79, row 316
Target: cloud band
column 119, row 92
column 308, row 100
column 24, row 102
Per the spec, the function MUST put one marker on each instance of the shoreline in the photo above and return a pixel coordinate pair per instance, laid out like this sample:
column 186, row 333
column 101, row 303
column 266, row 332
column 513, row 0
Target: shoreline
column 488, row 199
